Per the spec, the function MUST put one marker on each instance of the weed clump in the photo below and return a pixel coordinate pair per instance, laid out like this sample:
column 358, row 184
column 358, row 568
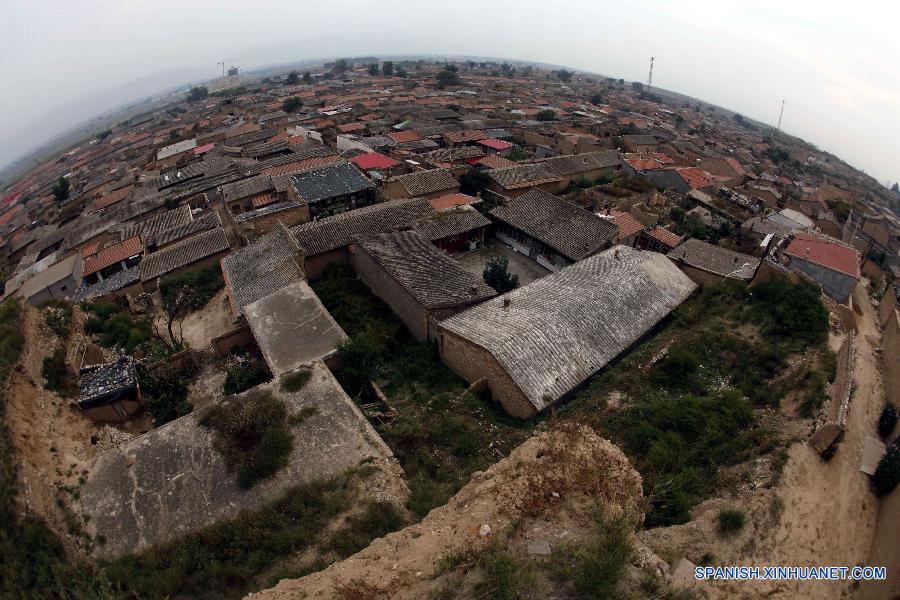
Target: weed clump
column 731, row 520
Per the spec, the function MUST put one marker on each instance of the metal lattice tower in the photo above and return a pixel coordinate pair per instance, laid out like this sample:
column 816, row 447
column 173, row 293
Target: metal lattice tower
column 650, row 76
column 780, row 114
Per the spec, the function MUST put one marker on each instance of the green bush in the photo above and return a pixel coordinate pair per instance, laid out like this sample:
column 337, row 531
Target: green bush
column 887, row 473
column 252, row 436
column 165, row 395
column 887, row 420
column 240, row 379
column 117, row 329
column 814, row 393
column 501, row 576
column 791, row 312
column 377, row 520
column 731, row 520
column 597, row 567
column 56, row 374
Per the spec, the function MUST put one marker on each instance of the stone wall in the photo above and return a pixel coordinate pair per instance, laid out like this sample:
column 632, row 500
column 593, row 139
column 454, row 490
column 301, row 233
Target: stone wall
column 830, row 428
column 474, row 363
column 242, row 336
column 890, row 348
column 886, row 307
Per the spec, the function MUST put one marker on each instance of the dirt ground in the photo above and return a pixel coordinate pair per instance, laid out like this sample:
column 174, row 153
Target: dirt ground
column 200, row 327
column 819, row 514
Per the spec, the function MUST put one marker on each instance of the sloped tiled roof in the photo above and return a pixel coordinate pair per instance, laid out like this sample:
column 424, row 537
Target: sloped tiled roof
column 112, row 255
column 580, row 163
column 156, row 223
column 330, row 181
column 430, row 276
column 337, row 231
column 205, row 222
column 454, row 221
column 715, row 259
column 262, row 268
column 520, row 176
column 495, row 161
column 554, row 333
column 422, row 183
column 627, row 224
column 184, row 253
column 825, row 252
column 246, row 187
column 569, row 229
column 664, row 236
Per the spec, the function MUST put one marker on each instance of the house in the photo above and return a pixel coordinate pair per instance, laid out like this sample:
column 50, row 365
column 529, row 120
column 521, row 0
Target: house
column 110, row 392
column 374, row 161
column 457, row 229
column 493, row 161
column 629, row 228
column 766, row 194
column 60, row 280
column 492, row 146
column 658, row 239
column 249, row 194
column 421, row 184
column 551, row 231
column 538, row 343
column 206, row 221
column 515, row 181
column 680, row 179
column 640, row 143
column 199, row 251
column 331, row 190
column 589, row 166
column 112, row 259
column 705, row 263
column 831, row 263
column 293, row 329
column 116, row 287
column 171, row 155
column 449, row 157
column 421, row 284
column 157, row 223
column 269, row 264
column 324, row 242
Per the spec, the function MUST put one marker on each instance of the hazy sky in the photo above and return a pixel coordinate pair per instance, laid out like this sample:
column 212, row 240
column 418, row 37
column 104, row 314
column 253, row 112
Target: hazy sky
column 836, row 64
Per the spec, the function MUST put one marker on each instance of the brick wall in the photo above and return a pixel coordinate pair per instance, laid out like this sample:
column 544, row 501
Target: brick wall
column 413, row 314
column 264, row 224
column 316, row 264
column 242, row 336
column 473, row 363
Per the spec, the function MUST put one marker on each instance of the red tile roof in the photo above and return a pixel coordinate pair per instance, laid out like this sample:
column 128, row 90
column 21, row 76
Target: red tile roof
column 204, row 148
column 665, row 236
column 263, row 199
column 373, row 160
column 643, row 164
column 495, row 144
column 113, row 254
column 627, row 224
column 112, row 197
column 823, row 252
column 458, row 137
column 404, row 136
column 495, row 161
column 350, row 127
column 695, row 177
column 451, row 200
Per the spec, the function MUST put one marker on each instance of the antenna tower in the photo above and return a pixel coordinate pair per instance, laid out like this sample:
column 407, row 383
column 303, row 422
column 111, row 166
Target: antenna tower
column 780, row 114
column 650, row 76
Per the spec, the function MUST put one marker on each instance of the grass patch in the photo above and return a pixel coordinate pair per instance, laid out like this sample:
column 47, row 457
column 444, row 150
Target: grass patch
column 442, row 435
column 731, row 521
column 377, row 520
column 252, row 436
column 502, row 576
column 240, row 378
column 596, row 568
column 295, row 381
column 57, row 376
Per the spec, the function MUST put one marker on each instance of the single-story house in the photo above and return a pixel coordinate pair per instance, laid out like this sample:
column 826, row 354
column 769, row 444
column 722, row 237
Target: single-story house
column 60, row 280
column 421, row 284
column 536, row 344
column 112, row 259
column 831, row 263
column 457, row 229
column 427, row 184
column 589, row 165
column 332, row 189
column 515, row 181
column 551, row 231
column 110, row 392
column 201, row 250
column 706, row 264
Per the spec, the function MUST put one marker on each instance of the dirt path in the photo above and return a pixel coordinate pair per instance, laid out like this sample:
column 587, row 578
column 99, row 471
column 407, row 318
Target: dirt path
column 820, row 514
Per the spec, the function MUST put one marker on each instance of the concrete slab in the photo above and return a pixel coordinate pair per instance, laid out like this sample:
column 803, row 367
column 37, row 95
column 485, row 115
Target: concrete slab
column 171, row 481
column 293, row 328
column 872, row 451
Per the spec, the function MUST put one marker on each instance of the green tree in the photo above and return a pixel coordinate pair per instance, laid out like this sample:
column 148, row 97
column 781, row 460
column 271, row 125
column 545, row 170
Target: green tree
column 387, row 68
column 291, row 104
column 473, row 182
column 887, row 473
column 292, row 78
column 373, row 69
column 61, row 189
column 186, row 292
column 597, row 99
column 447, row 78
column 564, row 75
column 546, row 115
column 497, row 276
column 307, row 77
column 165, row 394
column 341, row 65
column 198, row 93
column 401, row 72
column 637, row 86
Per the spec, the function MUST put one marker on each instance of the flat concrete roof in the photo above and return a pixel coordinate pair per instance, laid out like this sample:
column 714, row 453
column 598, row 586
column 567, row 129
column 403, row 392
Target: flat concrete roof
column 172, row 481
column 293, row 328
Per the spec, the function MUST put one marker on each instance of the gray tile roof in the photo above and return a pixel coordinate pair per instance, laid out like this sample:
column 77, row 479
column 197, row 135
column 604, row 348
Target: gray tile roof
column 421, row 183
column 569, row 229
column 454, row 221
column 337, row 231
column 205, row 222
column 452, row 154
column 183, row 254
column 246, row 187
column 262, row 268
column 715, row 259
column 249, row 138
column 156, row 223
column 430, row 276
column 265, row 210
column 559, row 330
column 580, row 163
column 110, row 284
column 330, row 181
column 101, row 384
column 523, row 176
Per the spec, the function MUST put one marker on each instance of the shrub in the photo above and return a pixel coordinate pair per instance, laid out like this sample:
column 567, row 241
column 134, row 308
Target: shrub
column 361, row 358
column 678, row 370
column 58, row 317
column 295, row 381
column 377, row 520
column 57, row 375
column 887, row 421
column 790, row 311
column 240, row 379
column 165, row 394
column 813, row 394
column 731, row 520
column 502, row 576
column 599, row 565
column 887, row 474
column 252, row 436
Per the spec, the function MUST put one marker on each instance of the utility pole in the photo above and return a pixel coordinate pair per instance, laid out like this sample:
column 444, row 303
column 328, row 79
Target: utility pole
column 650, row 76
column 780, row 114
column 223, row 67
